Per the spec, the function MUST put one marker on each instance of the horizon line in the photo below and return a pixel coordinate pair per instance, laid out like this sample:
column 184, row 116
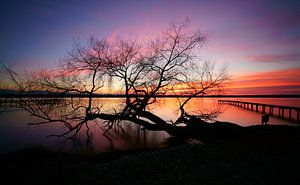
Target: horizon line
column 59, row 95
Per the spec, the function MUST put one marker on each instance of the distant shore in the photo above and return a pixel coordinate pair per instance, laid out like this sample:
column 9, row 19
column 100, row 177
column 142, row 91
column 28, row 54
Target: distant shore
column 58, row 95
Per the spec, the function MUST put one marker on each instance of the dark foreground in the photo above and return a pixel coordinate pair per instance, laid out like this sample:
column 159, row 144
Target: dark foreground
column 265, row 155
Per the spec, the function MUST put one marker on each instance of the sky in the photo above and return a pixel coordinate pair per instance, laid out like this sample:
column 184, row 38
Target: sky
column 258, row 39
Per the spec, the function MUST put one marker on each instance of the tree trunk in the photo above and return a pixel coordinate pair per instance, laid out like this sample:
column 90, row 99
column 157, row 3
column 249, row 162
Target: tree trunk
column 197, row 129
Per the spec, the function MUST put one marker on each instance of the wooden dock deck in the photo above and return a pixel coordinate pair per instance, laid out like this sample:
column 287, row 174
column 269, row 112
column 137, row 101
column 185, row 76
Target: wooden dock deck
column 279, row 111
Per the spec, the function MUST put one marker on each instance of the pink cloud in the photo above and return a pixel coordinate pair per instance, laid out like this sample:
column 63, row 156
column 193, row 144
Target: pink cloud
column 275, row 58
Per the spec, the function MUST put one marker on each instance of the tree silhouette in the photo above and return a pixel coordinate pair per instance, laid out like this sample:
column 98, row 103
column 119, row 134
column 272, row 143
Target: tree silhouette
column 167, row 64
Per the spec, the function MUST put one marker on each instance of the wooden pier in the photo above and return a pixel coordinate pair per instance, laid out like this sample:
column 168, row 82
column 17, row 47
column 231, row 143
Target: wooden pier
column 279, row 111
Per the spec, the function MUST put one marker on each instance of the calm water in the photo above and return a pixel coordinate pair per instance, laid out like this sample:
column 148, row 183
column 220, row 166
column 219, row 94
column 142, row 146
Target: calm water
column 15, row 133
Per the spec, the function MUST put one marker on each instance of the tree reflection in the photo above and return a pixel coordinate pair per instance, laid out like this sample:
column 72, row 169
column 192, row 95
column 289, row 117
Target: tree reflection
column 168, row 64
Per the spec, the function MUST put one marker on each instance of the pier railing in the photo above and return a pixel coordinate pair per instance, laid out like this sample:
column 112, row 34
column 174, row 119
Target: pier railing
column 283, row 112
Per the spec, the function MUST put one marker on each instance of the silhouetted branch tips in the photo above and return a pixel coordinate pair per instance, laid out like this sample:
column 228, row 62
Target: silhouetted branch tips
column 169, row 63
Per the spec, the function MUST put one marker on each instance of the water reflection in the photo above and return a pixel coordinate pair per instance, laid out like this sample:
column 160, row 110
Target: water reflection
column 15, row 133
column 56, row 116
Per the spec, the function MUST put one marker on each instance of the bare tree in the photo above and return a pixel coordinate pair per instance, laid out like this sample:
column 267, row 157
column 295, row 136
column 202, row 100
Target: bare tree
column 146, row 71
column 204, row 79
column 166, row 61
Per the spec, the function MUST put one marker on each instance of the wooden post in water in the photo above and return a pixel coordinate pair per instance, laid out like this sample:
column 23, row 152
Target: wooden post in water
column 282, row 113
column 272, row 111
column 263, row 109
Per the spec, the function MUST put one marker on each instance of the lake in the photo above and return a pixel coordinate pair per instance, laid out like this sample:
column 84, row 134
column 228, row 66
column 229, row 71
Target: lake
column 15, row 133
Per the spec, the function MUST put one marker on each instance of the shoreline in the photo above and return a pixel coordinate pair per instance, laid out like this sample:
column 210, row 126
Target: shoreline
column 263, row 156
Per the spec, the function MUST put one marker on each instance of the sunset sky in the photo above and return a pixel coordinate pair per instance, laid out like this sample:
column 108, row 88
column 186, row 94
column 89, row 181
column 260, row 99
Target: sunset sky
column 258, row 39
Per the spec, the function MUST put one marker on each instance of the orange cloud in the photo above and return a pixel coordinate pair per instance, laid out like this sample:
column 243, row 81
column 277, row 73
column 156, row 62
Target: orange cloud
column 273, row 82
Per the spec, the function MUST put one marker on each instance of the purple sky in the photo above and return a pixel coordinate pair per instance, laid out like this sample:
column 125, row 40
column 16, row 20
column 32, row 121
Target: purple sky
column 253, row 37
